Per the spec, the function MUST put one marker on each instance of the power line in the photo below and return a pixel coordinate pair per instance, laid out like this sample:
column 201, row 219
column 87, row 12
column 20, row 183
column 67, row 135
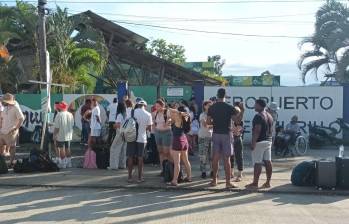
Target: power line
column 209, row 32
column 179, row 2
column 196, row 19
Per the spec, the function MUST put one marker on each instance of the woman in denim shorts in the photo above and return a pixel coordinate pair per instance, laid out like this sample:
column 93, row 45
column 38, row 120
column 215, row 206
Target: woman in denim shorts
column 163, row 132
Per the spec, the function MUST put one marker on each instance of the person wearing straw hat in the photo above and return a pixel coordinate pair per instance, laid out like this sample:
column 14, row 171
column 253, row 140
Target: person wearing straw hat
column 11, row 120
column 63, row 134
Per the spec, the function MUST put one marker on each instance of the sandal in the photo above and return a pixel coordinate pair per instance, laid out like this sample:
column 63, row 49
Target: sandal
column 130, row 181
column 238, row 179
column 140, row 180
column 188, row 180
column 251, row 186
column 213, row 183
column 230, row 185
column 266, row 186
column 172, row 184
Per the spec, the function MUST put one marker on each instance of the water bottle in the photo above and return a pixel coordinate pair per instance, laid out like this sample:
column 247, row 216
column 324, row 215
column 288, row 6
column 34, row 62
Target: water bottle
column 341, row 151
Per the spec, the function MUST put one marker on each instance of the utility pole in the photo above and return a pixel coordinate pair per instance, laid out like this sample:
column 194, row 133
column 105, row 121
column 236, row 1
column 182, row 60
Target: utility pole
column 44, row 66
column 42, row 40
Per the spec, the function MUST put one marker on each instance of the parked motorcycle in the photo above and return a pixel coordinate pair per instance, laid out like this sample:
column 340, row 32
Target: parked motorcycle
column 320, row 136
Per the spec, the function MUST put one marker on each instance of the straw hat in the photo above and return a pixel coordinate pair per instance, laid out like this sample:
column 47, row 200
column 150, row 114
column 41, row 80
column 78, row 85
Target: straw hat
column 9, row 99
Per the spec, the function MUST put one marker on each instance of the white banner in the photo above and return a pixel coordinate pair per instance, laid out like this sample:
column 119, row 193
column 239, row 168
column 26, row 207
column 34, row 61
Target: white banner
column 313, row 105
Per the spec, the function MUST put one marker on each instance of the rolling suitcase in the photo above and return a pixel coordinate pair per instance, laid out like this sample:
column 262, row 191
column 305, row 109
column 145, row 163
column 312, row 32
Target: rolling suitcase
column 325, row 174
column 342, row 165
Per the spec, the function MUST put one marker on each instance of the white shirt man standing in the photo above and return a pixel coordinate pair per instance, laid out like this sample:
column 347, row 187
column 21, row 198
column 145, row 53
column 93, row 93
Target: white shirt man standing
column 112, row 118
column 63, row 134
column 11, row 120
column 96, row 125
column 137, row 148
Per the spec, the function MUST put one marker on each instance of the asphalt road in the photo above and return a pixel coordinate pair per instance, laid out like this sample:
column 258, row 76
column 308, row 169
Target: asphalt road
column 62, row 205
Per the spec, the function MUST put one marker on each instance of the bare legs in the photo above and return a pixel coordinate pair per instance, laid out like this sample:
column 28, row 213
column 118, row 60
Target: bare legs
column 177, row 157
column 257, row 173
column 227, row 169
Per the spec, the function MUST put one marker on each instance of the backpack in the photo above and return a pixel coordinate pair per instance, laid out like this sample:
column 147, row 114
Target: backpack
column 168, row 168
column 90, row 159
column 23, row 166
column 129, row 130
column 304, row 174
column 3, row 165
column 40, row 161
column 102, row 156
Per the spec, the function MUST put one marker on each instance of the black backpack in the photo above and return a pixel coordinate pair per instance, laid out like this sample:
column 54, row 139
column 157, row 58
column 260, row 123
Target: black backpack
column 102, row 156
column 168, row 168
column 3, row 165
column 23, row 166
column 304, row 174
column 41, row 161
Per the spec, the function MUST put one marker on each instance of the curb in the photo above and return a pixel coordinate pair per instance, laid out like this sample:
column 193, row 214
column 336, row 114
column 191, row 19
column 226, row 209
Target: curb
column 186, row 189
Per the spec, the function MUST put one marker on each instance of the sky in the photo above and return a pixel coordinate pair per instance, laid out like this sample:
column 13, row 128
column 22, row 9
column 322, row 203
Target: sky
column 243, row 55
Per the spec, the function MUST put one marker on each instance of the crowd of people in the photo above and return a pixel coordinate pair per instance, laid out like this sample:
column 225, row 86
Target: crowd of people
column 173, row 131
column 176, row 131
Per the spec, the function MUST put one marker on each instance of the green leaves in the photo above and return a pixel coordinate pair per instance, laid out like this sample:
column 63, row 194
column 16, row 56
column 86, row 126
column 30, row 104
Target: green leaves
column 170, row 52
column 327, row 43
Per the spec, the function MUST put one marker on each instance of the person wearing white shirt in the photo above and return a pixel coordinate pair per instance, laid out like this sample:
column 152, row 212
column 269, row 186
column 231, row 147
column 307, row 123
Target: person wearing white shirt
column 95, row 125
column 118, row 147
column 112, row 118
column 137, row 148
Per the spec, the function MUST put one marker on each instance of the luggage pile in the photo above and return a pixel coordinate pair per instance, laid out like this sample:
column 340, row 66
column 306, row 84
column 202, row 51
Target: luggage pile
column 323, row 174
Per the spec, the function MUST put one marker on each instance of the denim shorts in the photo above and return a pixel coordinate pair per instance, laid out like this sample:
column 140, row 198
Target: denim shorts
column 223, row 144
column 163, row 138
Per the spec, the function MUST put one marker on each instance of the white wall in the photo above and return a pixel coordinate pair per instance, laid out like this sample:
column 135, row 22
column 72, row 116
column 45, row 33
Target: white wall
column 320, row 105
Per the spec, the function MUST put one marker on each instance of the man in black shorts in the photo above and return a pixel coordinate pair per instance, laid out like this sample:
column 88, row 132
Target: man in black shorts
column 220, row 115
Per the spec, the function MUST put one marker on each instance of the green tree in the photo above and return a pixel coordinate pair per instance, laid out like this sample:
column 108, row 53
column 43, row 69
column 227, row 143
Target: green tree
column 167, row 51
column 17, row 30
column 327, row 49
column 73, row 56
column 218, row 64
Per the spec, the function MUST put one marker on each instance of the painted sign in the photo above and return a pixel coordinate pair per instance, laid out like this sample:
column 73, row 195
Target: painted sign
column 265, row 80
column 175, row 91
column 313, row 105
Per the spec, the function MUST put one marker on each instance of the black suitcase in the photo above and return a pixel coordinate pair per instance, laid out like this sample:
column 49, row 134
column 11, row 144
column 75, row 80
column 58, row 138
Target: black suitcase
column 325, row 174
column 342, row 165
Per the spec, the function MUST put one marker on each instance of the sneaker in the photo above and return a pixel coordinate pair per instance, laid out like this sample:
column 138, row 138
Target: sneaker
column 63, row 163
column 203, row 175
column 68, row 162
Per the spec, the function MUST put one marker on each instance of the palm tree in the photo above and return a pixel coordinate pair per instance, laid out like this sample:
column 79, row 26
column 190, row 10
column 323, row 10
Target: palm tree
column 328, row 50
column 73, row 57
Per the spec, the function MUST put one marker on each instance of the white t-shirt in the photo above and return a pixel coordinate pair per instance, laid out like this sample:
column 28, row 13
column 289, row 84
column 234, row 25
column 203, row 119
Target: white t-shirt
column 112, row 112
column 64, row 121
column 203, row 131
column 128, row 112
column 120, row 119
column 144, row 119
column 96, row 112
